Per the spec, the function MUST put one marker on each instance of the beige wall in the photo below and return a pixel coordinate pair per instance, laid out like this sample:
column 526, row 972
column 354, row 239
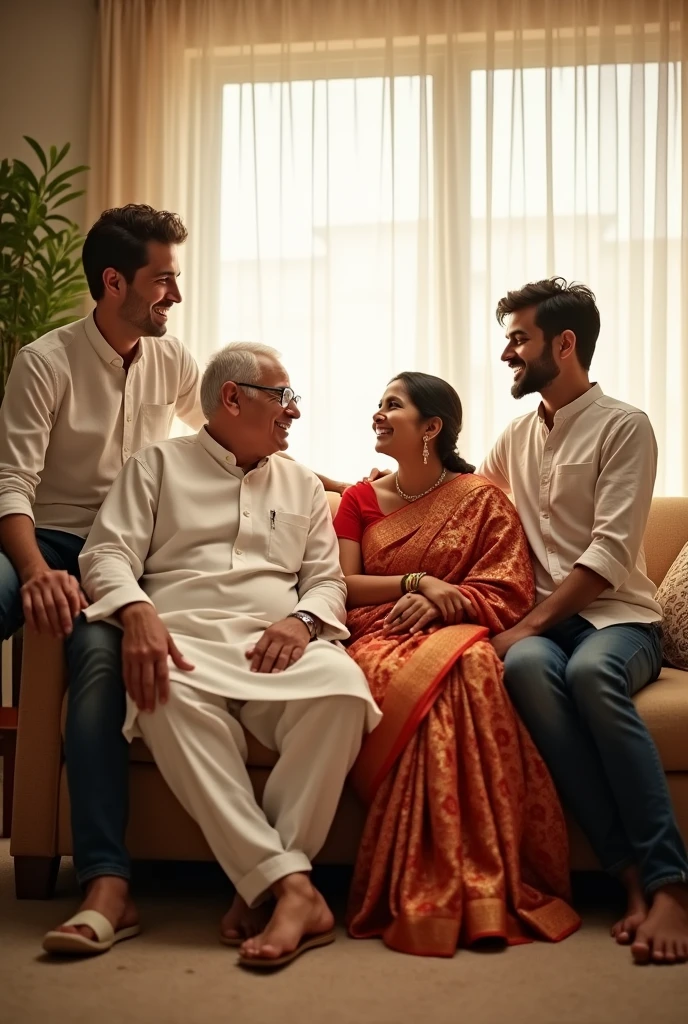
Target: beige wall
column 46, row 49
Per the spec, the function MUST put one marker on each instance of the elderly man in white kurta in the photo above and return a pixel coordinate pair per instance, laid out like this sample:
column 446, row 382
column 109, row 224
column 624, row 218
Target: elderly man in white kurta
column 209, row 546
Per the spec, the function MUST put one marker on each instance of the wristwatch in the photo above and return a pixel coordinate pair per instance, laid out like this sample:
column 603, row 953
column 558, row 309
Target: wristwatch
column 309, row 622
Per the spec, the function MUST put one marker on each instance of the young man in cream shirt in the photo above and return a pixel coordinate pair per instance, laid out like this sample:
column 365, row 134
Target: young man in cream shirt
column 581, row 472
column 211, row 546
column 79, row 402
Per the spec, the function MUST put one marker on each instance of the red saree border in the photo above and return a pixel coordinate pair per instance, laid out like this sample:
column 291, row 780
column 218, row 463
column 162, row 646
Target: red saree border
column 407, row 702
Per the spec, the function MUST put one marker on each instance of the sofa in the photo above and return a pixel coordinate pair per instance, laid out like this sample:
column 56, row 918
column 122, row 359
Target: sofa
column 159, row 829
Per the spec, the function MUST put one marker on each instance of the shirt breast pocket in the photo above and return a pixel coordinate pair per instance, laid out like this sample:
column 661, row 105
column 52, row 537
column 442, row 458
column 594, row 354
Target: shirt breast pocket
column 574, row 486
column 156, row 421
column 287, row 540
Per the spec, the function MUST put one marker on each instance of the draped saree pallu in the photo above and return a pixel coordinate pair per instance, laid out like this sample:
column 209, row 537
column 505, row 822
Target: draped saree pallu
column 465, row 838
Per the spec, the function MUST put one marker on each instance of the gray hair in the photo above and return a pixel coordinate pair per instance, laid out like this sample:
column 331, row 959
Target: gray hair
column 239, row 361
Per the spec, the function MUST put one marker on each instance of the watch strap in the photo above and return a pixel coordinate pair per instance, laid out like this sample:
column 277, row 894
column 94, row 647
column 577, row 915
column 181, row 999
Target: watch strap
column 308, row 621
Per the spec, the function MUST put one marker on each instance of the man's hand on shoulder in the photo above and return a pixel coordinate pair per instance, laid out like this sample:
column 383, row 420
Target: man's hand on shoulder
column 339, row 488
column 280, row 646
column 375, row 474
column 146, row 646
column 51, row 600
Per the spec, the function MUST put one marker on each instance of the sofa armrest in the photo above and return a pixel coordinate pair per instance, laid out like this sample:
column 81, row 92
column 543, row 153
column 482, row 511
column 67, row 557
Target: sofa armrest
column 39, row 747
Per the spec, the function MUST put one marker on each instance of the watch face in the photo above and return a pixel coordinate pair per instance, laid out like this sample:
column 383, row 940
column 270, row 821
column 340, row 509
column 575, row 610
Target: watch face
column 308, row 622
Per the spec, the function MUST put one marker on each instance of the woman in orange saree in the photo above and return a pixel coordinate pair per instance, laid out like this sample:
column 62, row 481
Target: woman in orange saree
column 464, row 838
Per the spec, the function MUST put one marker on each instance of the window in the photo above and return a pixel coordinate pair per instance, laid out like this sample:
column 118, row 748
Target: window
column 372, row 208
column 585, row 181
column 326, row 226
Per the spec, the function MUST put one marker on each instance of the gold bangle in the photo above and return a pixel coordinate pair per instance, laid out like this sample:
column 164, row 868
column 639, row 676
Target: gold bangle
column 413, row 581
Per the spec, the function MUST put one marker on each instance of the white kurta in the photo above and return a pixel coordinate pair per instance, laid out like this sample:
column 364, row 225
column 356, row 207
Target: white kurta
column 222, row 555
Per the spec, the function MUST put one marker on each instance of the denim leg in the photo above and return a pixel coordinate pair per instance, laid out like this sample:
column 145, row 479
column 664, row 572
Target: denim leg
column 60, row 550
column 96, row 753
column 535, row 678
column 11, row 615
column 603, row 673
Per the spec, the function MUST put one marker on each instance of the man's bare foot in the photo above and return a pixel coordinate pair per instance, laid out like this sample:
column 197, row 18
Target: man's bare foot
column 636, row 908
column 241, row 922
column 110, row 896
column 663, row 937
column 300, row 911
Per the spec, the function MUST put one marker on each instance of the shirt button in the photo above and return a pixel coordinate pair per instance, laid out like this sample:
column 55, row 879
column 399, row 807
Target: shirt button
column 239, row 551
column 128, row 419
column 228, row 458
column 247, row 513
column 545, row 515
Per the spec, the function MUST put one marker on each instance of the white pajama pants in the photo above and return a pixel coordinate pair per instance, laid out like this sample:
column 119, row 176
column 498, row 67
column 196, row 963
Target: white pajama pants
column 200, row 750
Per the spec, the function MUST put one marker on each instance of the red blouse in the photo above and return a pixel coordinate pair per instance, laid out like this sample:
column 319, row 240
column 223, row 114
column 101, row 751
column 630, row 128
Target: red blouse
column 357, row 511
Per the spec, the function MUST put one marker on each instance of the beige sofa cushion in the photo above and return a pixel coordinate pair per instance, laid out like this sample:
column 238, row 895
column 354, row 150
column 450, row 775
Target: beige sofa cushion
column 663, row 705
column 666, row 533
column 673, row 597
column 664, row 708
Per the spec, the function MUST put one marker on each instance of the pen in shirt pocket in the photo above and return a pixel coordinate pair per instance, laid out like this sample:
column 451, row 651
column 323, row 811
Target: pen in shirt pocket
column 272, row 518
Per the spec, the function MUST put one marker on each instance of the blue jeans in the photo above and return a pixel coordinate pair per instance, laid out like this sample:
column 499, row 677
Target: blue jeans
column 96, row 753
column 572, row 687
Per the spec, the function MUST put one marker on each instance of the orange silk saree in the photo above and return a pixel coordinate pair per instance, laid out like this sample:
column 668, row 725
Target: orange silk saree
column 465, row 838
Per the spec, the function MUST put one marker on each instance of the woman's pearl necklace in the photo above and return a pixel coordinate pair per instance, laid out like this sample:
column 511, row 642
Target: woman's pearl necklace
column 415, row 497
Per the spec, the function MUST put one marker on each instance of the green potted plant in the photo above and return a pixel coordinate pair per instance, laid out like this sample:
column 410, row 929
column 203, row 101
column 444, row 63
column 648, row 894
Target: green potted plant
column 41, row 279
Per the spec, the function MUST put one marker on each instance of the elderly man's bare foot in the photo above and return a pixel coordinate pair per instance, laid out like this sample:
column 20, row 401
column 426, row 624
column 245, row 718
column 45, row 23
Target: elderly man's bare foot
column 636, row 908
column 300, row 911
column 241, row 922
column 110, row 896
column 663, row 936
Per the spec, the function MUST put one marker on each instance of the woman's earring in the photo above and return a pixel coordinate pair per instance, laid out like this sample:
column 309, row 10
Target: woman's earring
column 425, row 449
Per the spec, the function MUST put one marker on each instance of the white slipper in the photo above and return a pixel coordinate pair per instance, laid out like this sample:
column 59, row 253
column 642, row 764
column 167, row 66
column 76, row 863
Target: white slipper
column 74, row 944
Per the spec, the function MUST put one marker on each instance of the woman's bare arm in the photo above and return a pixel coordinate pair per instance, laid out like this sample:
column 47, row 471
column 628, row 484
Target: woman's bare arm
column 363, row 589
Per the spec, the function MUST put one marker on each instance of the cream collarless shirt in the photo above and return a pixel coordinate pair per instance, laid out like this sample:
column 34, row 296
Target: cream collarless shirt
column 583, row 492
column 72, row 416
column 222, row 555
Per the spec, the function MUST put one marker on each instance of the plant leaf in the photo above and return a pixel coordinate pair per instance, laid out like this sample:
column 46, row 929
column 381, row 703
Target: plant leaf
column 68, row 199
column 27, row 172
column 62, row 154
column 63, row 177
column 38, row 151
column 60, row 217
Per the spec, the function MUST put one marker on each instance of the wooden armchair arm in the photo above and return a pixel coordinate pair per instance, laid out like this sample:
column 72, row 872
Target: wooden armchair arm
column 39, row 747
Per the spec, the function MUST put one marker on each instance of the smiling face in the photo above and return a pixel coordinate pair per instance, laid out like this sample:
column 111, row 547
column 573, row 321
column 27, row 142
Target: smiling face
column 398, row 426
column 529, row 354
column 264, row 423
column 153, row 291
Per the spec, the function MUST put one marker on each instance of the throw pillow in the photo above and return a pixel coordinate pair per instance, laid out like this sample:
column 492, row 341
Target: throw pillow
column 673, row 597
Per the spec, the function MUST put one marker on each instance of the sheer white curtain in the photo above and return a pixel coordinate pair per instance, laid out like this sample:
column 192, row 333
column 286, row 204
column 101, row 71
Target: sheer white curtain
column 363, row 179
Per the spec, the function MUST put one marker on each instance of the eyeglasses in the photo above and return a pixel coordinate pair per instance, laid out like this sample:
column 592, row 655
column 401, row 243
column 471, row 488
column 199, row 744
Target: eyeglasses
column 286, row 395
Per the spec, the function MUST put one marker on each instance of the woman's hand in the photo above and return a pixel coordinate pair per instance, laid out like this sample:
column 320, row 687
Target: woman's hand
column 410, row 614
column 452, row 604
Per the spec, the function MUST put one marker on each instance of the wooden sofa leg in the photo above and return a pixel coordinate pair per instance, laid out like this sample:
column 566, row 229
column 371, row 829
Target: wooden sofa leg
column 9, row 754
column 35, row 877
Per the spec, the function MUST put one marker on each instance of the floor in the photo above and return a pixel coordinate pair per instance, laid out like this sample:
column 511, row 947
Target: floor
column 177, row 973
